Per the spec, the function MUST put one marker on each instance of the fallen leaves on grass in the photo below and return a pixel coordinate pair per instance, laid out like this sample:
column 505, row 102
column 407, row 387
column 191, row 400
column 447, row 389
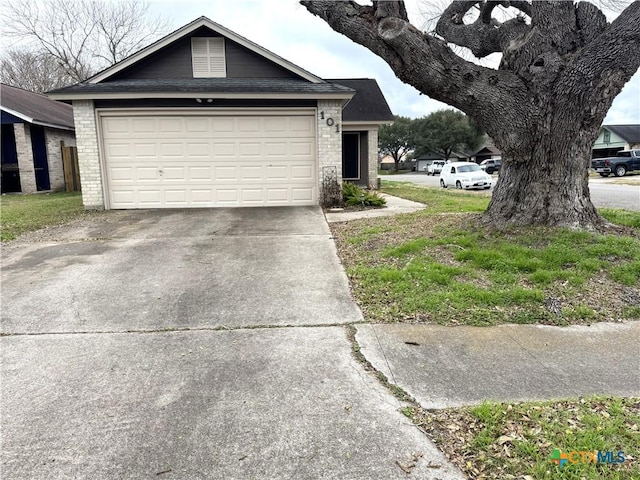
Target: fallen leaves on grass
column 514, row 441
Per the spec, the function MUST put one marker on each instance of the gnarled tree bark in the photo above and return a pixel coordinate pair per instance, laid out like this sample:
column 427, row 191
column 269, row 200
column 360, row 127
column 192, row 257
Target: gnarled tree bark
column 562, row 66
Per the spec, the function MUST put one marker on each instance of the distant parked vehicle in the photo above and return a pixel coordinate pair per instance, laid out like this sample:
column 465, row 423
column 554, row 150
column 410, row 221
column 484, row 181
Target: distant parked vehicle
column 624, row 161
column 464, row 175
column 435, row 167
column 491, row 166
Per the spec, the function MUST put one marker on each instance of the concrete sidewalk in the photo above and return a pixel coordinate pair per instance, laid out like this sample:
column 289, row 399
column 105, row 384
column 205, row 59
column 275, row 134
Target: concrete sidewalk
column 243, row 404
column 395, row 206
column 453, row 366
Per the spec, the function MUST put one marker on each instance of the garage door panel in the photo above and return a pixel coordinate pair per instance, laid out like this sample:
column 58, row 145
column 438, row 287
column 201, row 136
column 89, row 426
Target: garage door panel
column 122, row 150
column 175, row 174
column 201, row 173
column 252, row 173
column 250, row 125
column 277, row 172
column 181, row 161
column 253, row 149
column 170, row 125
column 175, row 197
column 301, row 172
column 301, row 149
column 227, row 196
column 172, row 150
column 149, row 197
column 277, row 195
column 302, row 195
column 143, row 174
column 223, row 124
column 145, row 150
column 198, row 150
column 121, row 174
column 143, row 125
column 202, row 197
column 226, row 173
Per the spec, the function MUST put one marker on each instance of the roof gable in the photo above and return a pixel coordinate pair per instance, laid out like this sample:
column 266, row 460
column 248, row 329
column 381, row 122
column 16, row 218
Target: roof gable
column 175, row 61
column 186, row 32
column 629, row 133
column 36, row 108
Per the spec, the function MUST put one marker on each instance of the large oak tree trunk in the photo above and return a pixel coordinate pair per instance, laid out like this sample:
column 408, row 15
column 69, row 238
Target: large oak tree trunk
column 562, row 66
column 543, row 182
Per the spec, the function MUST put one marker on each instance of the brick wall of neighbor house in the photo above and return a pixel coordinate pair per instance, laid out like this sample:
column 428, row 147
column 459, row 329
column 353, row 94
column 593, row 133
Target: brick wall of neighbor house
column 88, row 155
column 53, row 137
column 24, row 151
column 329, row 140
column 373, row 158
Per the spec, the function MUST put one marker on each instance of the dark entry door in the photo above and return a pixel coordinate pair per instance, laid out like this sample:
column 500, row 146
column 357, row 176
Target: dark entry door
column 10, row 170
column 40, row 163
column 351, row 156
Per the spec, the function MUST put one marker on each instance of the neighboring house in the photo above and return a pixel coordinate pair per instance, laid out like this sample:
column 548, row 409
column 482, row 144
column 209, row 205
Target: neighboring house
column 206, row 118
column 387, row 163
column 486, row 153
column 613, row 138
column 426, row 159
column 33, row 127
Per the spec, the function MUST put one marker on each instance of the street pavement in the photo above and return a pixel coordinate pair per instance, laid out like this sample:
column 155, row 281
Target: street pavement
column 605, row 192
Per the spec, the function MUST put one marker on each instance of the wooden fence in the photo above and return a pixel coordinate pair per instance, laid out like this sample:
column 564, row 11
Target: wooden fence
column 71, row 169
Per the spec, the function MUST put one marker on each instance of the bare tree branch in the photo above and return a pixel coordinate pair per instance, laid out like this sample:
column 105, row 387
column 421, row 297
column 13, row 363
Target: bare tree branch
column 85, row 36
column 31, row 71
column 422, row 60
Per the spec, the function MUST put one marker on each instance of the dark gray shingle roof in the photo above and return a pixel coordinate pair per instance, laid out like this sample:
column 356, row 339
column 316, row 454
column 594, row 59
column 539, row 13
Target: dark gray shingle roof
column 630, row 133
column 205, row 85
column 368, row 104
column 36, row 106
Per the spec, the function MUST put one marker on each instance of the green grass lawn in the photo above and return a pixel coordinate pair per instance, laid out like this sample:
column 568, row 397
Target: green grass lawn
column 516, row 441
column 440, row 266
column 20, row 214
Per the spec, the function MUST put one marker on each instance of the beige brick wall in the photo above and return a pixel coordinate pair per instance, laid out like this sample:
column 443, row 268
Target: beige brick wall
column 24, row 151
column 88, row 154
column 53, row 138
column 329, row 139
column 373, row 158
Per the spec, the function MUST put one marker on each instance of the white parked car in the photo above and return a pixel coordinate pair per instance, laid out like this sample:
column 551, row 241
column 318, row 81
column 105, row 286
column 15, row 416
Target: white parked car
column 464, row 175
column 435, row 167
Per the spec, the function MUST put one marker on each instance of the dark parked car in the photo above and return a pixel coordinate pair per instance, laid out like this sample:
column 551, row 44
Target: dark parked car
column 624, row 161
column 491, row 166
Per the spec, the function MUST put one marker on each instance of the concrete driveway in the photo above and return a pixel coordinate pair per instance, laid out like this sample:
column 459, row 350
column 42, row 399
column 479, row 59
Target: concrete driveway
column 154, row 270
column 151, row 345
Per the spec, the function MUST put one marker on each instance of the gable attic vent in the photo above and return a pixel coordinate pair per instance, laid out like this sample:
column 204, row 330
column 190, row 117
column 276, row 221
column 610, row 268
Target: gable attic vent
column 207, row 56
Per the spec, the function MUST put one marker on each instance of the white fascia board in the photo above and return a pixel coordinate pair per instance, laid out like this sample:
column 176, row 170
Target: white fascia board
column 249, row 96
column 191, row 27
column 33, row 121
column 370, row 125
column 17, row 114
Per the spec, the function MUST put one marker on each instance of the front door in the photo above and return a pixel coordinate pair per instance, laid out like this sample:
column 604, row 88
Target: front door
column 351, row 156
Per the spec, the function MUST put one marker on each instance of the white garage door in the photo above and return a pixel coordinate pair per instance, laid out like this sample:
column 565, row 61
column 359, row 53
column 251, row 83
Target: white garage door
column 230, row 160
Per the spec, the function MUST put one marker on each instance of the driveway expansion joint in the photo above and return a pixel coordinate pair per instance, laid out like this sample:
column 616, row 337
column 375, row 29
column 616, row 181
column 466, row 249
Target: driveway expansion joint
column 219, row 328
